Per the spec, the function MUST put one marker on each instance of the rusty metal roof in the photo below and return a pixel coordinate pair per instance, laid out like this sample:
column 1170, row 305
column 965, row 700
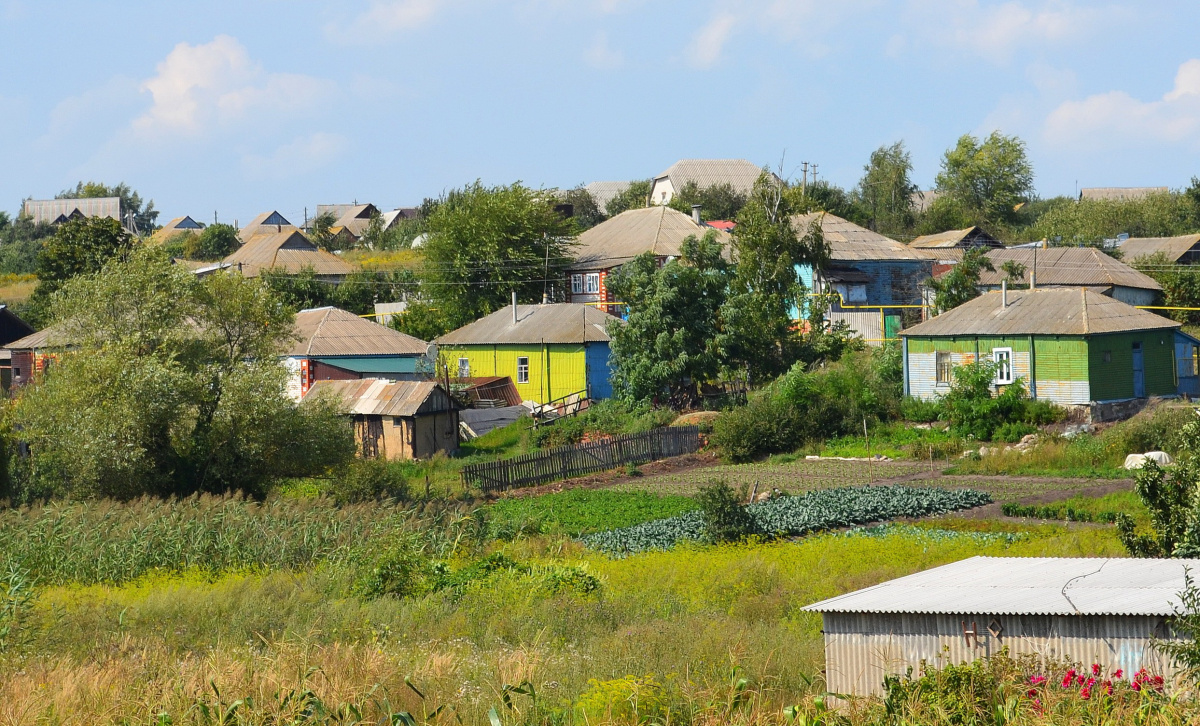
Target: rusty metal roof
column 536, row 324
column 289, row 251
column 1172, row 248
column 849, row 242
column 331, row 331
column 1026, row 586
column 1061, row 267
column 1044, row 311
column 969, row 237
column 658, row 230
column 380, row 397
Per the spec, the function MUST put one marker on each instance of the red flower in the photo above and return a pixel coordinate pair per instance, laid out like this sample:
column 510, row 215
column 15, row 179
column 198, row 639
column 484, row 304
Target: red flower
column 1032, row 693
column 1095, row 669
column 1079, row 680
column 1137, row 685
column 1118, row 674
column 1108, row 687
column 1086, row 693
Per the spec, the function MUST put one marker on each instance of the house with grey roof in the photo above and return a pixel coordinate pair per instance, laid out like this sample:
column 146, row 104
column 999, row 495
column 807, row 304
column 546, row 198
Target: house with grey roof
column 57, row 211
column 957, row 239
column 738, row 173
column 1071, row 346
column 605, row 191
column 1086, row 610
column 287, row 251
column 1179, row 250
column 1119, row 194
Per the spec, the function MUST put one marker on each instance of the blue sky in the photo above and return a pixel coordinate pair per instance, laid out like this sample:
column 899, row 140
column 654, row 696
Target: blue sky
column 245, row 106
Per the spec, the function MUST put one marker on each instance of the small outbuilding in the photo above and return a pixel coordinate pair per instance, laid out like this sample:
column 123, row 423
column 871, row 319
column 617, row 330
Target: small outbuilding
column 396, row 419
column 1089, row 610
column 957, row 239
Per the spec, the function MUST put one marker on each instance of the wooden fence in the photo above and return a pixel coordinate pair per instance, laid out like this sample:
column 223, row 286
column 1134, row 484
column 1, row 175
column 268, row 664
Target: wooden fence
column 567, row 461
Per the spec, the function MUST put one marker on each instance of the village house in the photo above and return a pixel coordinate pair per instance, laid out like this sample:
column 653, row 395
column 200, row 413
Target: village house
column 12, row 329
column 1072, row 347
column 878, row 280
column 1072, row 267
column 1087, row 610
column 551, row 352
column 31, row 355
column 350, row 220
column 289, row 252
column 610, row 244
column 739, row 174
column 957, row 239
column 395, row 419
column 265, row 223
column 1181, row 250
column 331, row 344
column 180, row 226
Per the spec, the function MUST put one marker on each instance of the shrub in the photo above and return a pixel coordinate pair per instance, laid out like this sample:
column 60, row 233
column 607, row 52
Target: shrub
column 919, row 410
column 1157, row 430
column 724, row 517
column 402, row 570
column 370, row 479
column 610, row 417
column 765, row 425
column 1012, row 432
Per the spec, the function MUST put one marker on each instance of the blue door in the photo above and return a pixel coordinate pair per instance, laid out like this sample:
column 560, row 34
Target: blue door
column 1139, row 372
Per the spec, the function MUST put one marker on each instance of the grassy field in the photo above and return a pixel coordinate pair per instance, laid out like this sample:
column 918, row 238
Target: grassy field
column 385, row 260
column 16, row 288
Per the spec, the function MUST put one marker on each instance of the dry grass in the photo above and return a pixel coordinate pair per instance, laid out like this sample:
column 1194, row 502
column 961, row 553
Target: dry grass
column 384, row 259
column 16, row 288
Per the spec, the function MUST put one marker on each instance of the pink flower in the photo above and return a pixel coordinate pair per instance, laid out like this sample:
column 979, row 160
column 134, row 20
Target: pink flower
column 1137, row 685
column 1095, row 669
column 1118, row 674
column 1086, row 693
column 1037, row 680
column 1032, row 693
column 1108, row 687
column 1079, row 680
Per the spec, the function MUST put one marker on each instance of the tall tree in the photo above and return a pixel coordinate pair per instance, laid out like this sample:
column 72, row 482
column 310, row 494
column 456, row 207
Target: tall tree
column 214, row 242
column 78, row 247
column 961, row 283
column 635, row 196
column 822, row 196
column 144, row 215
column 486, row 243
column 584, row 208
column 886, row 189
column 989, row 178
column 718, row 201
column 667, row 347
column 759, row 335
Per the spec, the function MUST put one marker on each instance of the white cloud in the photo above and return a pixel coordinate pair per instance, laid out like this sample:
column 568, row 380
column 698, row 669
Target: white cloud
column 303, row 155
column 384, row 18
column 602, row 55
column 1117, row 119
column 998, row 31
column 705, row 49
column 214, row 84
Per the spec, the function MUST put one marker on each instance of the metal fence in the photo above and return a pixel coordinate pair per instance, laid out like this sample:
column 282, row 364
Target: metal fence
column 567, row 461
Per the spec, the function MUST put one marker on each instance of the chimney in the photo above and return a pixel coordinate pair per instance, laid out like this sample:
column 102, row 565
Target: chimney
column 514, row 307
column 1003, row 294
column 696, row 214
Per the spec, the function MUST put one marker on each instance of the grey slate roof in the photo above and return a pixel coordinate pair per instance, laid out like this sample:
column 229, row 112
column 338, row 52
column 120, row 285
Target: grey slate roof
column 331, row 331
column 51, row 337
column 378, row 397
column 969, row 237
column 658, row 229
column 1119, row 194
column 738, row 173
column 1173, row 248
column 1026, row 586
column 849, row 242
column 604, row 192
column 57, row 210
column 289, row 251
column 1062, row 267
column 1044, row 311
column 536, row 324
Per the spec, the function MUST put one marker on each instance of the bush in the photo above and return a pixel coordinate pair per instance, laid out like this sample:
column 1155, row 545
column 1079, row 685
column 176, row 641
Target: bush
column 402, row 570
column 370, row 479
column 765, row 425
column 610, row 418
column 920, row 411
column 1156, row 430
column 1013, row 432
column 724, row 517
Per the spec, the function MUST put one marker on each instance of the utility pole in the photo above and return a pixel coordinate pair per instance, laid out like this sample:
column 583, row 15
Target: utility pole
column 814, row 173
column 804, row 184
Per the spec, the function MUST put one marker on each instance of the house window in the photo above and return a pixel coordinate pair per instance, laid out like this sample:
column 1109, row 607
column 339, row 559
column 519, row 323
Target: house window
column 944, row 362
column 523, row 369
column 1002, row 357
column 592, row 283
column 577, row 284
column 464, row 367
column 1108, row 356
column 16, row 372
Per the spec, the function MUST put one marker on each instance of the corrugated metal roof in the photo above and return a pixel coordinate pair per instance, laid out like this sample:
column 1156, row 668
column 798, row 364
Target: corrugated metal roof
column 55, row 210
column 923, row 200
column 1062, row 267
column 850, row 242
column 1044, row 311
column 738, row 173
column 1120, row 194
column 969, row 237
column 536, row 324
column 290, row 251
column 605, row 191
column 1026, row 586
column 1171, row 247
column 331, row 331
column 659, row 230
column 267, row 222
column 51, row 337
column 380, row 397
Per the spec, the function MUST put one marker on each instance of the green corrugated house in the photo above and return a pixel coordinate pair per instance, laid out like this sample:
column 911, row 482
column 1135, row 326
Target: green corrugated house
column 1074, row 347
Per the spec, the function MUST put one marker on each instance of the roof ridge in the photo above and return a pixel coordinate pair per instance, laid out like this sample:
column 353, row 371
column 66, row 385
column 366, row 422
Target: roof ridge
column 1083, row 296
column 317, row 330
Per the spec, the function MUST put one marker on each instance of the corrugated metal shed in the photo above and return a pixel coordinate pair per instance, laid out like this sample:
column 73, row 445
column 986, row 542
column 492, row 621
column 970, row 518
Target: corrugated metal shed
column 1026, row 586
column 331, row 331
column 289, row 251
column 969, row 237
column 378, row 397
column 1054, row 311
column 605, row 191
column 536, row 324
column 1062, row 267
column 659, row 230
column 1175, row 249
column 738, row 173
column 52, row 211
column 849, row 242
column 1119, row 194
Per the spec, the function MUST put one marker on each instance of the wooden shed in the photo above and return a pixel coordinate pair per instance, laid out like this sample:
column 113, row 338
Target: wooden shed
column 396, row 419
column 1090, row 610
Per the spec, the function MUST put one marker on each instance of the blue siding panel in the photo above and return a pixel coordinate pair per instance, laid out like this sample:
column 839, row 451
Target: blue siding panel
column 598, row 371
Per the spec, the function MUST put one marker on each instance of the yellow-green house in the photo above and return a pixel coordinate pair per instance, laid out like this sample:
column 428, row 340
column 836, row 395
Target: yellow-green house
column 549, row 351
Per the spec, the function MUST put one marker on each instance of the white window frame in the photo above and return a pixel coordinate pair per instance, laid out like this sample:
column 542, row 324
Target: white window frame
column 591, row 283
column 938, row 378
column 576, row 284
column 464, row 367
column 523, row 369
column 1004, row 370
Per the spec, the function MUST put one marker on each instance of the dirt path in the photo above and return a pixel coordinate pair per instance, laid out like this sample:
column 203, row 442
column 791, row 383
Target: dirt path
column 613, row 477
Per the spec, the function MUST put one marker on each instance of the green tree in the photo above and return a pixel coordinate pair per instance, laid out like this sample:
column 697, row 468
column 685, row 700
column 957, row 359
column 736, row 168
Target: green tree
column 945, row 213
column 1091, row 221
column 320, row 233
column 886, row 189
column 989, row 178
column 759, row 335
column 20, row 243
column 1180, row 285
column 420, row 321
column 822, row 196
column 486, row 243
column 667, row 347
column 1014, row 272
column 584, row 208
column 215, row 242
column 78, row 247
column 144, row 215
column 635, row 196
column 719, row 201
column 961, row 283
column 172, row 386
column 1170, row 496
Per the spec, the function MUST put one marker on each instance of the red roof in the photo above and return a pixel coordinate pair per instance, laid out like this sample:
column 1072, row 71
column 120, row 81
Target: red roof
column 721, row 224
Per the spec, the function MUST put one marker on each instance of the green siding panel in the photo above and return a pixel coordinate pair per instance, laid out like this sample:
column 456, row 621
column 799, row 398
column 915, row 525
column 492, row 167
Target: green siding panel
column 1061, row 358
column 1112, row 379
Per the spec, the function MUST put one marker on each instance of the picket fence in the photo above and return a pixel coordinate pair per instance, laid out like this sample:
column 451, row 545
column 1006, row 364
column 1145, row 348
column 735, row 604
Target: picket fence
column 564, row 462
